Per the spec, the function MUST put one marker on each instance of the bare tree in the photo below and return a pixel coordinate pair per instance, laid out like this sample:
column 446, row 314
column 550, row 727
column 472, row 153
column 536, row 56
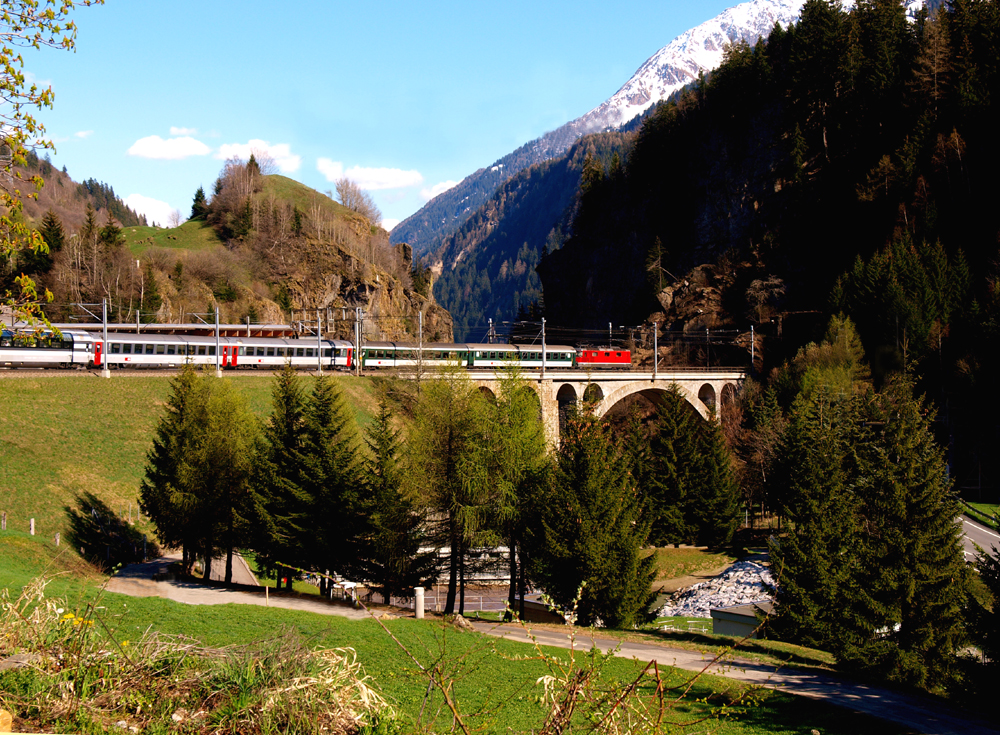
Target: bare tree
column 175, row 218
column 266, row 164
column 357, row 199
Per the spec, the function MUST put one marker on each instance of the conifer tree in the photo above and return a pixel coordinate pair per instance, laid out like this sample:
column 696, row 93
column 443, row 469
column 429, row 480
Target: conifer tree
column 390, row 555
column 713, row 509
column 176, row 435
column 287, row 503
column 669, row 483
column 984, row 619
column 199, row 207
column 593, row 529
column 330, row 479
column 52, row 231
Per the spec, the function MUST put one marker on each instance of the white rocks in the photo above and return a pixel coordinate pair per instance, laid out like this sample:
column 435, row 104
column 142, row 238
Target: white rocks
column 742, row 583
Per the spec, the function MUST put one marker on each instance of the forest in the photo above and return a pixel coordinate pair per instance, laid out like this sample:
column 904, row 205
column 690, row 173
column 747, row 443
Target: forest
column 844, row 165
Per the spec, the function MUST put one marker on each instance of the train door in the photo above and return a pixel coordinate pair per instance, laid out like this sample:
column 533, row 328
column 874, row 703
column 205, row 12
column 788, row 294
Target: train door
column 235, row 351
column 98, row 353
column 225, row 355
column 350, row 351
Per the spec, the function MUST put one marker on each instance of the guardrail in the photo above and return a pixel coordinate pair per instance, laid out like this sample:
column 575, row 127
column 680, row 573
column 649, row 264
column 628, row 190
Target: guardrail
column 979, row 516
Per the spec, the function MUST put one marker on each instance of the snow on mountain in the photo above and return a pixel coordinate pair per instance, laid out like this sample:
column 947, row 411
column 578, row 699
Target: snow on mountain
column 680, row 62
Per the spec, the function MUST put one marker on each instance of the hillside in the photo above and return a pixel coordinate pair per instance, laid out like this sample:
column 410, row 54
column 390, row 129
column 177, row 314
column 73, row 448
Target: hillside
column 55, row 448
column 264, row 247
column 844, row 165
column 487, row 267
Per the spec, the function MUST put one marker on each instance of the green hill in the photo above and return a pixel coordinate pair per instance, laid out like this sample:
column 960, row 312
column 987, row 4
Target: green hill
column 192, row 235
column 66, row 435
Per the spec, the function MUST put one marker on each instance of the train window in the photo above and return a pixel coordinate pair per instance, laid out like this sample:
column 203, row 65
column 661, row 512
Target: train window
column 160, row 349
column 327, row 352
column 171, row 349
column 201, row 349
column 211, row 350
column 309, row 352
column 115, row 348
column 282, row 351
column 126, row 349
column 261, row 351
column 270, row 352
column 618, row 354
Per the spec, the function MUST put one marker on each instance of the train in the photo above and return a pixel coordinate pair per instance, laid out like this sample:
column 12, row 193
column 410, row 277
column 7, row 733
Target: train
column 76, row 348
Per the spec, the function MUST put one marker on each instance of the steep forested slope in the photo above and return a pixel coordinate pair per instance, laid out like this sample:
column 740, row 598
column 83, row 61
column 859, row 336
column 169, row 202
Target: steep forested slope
column 845, row 164
column 489, row 263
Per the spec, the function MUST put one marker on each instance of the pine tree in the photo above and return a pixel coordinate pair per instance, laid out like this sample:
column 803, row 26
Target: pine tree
column 593, row 529
column 669, row 488
column 713, row 508
column 287, row 504
column 151, row 299
column 199, row 207
column 985, row 620
column 52, row 231
column 390, row 555
column 904, row 619
column 812, row 563
column 176, row 435
column 330, row 479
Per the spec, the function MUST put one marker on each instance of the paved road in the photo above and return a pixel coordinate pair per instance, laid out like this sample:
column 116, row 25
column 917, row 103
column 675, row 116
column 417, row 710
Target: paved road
column 979, row 534
column 137, row 580
column 923, row 715
column 241, row 571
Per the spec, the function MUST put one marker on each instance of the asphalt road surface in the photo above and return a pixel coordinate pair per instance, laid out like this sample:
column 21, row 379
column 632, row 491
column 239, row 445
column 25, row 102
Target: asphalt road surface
column 976, row 533
column 923, row 715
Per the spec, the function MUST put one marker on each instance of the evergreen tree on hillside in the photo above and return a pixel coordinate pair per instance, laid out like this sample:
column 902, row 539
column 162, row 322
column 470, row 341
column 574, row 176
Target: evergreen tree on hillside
column 330, row 479
column 390, row 550
column 593, row 529
column 287, row 504
column 904, row 619
column 176, row 435
column 199, row 207
column 713, row 509
column 151, row 299
column 984, row 619
column 669, row 486
column 52, row 231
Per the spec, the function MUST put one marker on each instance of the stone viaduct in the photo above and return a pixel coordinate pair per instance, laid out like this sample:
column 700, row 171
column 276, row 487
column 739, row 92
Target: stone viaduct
column 705, row 390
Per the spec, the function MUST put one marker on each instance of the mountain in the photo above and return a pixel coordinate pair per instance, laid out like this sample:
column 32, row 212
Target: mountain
column 670, row 69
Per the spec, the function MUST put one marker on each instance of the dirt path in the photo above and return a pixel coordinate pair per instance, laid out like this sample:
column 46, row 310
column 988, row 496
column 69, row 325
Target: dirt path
column 922, row 714
column 138, row 580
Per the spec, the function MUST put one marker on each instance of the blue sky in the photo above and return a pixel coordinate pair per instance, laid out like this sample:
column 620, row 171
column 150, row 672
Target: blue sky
column 402, row 97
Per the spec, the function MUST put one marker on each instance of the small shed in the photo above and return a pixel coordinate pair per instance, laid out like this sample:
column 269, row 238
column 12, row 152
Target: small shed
column 739, row 621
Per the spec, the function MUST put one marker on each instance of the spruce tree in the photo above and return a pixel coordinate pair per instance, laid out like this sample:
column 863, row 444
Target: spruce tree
column 593, row 530
column 199, row 207
column 984, row 620
column 174, row 440
column 52, row 231
column 713, row 508
column 287, row 504
column 669, row 482
column 390, row 555
column 330, row 479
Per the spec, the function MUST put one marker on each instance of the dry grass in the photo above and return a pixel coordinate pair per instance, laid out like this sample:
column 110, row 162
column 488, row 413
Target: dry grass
column 71, row 674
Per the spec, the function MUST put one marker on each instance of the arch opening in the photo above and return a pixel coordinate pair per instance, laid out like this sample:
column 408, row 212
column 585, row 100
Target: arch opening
column 488, row 394
column 593, row 394
column 706, row 394
column 566, row 398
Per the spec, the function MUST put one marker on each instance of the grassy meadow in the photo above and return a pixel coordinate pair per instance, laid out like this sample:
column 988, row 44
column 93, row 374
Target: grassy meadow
column 191, row 235
column 496, row 683
column 64, row 435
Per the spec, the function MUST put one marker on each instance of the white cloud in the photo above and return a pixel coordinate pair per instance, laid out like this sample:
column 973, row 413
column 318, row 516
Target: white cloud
column 369, row 178
column 156, row 212
column 153, row 146
column 183, row 131
column 388, row 224
column 83, row 134
column 433, row 191
column 281, row 153
column 332, row 170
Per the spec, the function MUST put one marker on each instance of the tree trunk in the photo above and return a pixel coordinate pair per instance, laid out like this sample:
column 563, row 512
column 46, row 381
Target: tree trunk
column 512, row 570
column 455, row 551
column 461, row 587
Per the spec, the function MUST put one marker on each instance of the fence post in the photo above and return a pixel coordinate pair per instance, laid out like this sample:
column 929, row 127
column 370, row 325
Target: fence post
column 57, row 539
column 418, row 605
column 32, row 526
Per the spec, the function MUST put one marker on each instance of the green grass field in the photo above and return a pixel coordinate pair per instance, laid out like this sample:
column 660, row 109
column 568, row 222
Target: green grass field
column 495, row 682
column 190, row 235
column 64, row 435
column 671, row 563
